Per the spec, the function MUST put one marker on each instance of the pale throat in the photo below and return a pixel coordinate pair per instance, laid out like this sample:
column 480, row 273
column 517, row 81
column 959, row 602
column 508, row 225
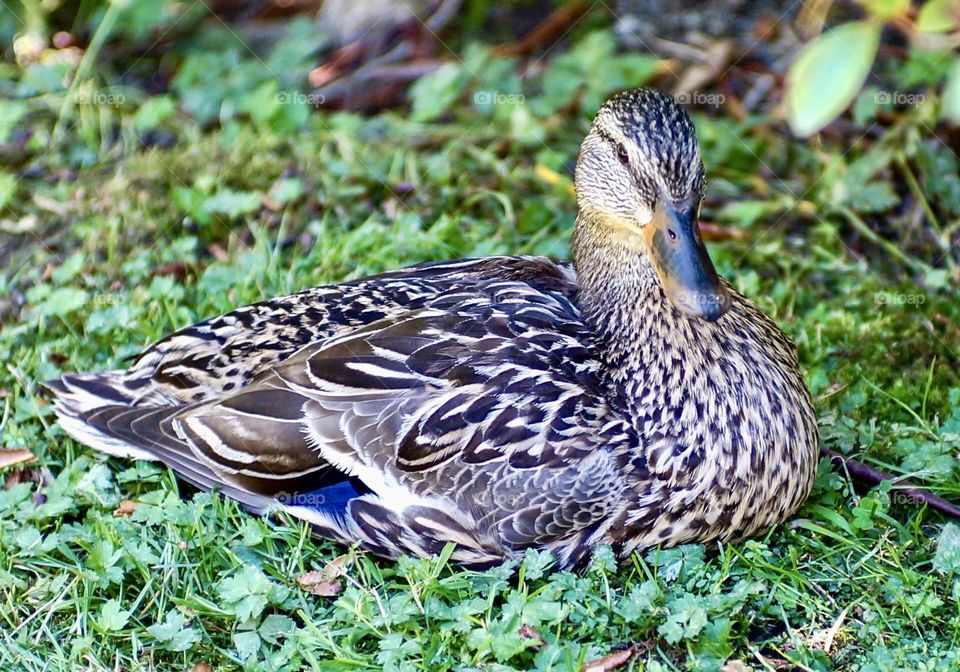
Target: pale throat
column 620, row 296
column 654, row 357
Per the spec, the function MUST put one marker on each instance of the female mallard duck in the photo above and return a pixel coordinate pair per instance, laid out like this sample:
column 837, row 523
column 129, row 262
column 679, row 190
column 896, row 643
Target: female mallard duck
column 631, row 399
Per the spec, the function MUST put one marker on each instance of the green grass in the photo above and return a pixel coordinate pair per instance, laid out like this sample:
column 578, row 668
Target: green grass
column 115, row 243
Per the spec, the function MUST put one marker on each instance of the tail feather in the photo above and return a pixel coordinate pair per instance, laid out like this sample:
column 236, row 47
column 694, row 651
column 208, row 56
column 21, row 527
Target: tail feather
column 85, row 392
column 96, row 410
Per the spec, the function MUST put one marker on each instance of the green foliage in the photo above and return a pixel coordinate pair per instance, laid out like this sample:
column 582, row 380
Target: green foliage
column 827, row 74
column 226, row 189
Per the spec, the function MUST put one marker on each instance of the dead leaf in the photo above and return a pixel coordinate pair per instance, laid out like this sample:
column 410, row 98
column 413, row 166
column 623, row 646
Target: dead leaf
column 824, row 639
column 270, row 204
column 531, row 633
column 325, row 582
column 736, row 666
column 711, row 231
column 552, row 177
column 175, row 269
column 218, row 253
column 8, row 458
column 38, row 475
column 611, row 662
column 51, row 205
column 25, row 224
column 126, row 508
column 316, row 584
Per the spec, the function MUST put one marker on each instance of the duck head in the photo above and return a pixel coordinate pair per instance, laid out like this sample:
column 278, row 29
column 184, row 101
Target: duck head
column 640, row 180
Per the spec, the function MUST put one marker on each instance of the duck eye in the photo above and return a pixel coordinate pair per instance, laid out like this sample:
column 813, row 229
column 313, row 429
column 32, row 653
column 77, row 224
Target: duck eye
column 622, row 153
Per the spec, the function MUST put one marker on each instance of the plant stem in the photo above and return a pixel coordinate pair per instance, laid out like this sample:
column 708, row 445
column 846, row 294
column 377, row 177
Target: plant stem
column 866, row 474
column 100, row 36
column 917, row 191
column 890, row 247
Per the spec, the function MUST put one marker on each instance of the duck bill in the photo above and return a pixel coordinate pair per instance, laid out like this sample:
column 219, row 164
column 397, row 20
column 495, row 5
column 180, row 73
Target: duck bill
column 680, row 258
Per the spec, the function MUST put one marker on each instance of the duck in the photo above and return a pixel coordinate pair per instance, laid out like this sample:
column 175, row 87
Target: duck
column 628, row 398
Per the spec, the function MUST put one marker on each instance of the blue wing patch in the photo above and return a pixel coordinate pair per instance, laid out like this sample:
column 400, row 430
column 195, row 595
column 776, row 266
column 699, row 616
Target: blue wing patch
column 331, row 500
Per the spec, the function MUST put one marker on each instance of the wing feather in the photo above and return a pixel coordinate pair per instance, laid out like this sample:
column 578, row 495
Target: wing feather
column 479, row 415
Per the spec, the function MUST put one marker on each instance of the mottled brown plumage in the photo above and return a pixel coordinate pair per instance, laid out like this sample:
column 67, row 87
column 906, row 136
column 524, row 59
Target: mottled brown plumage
column 500, row 403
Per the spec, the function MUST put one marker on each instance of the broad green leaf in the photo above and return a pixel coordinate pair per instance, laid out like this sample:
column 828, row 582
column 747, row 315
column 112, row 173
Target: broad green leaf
column 173, row 634
column 828, row 73
column 233, row 204
column 947, row 558
column 63, row 300
column 950, row 106
column 434, row 94
column 113, row 617
column 938, row 16
column 153, row 112
column 247, row 643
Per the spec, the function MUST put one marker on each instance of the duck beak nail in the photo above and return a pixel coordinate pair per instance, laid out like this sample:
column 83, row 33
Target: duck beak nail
column 680, row 258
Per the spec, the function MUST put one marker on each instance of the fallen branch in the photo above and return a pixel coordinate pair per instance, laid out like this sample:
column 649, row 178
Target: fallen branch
column 552, row 28
column 350, row 70
column 711, row 231
column 867, row 474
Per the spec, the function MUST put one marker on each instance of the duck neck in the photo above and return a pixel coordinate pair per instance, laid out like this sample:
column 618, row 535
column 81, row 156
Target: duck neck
column 620, row 296
column 641, row 338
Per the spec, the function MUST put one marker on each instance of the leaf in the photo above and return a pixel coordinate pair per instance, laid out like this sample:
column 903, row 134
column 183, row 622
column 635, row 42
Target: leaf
column 938, row 16
column 316, row 584
column 947, row 557
column 687, row 618
column 874, row 197
column 432, row 95
column 11, row 112
column 639, row 602
column 112, row 616
column 126, row 508
column 828, row 73
column 8, row 458
column 326, row 582
column 153, row 112
column 246, row 593
column 950, row 105
column 63, row 301
column 536, row 563
column 247, row 643
column 172, row 633
column 274, row 626
column 233, row 204
column 610, row 662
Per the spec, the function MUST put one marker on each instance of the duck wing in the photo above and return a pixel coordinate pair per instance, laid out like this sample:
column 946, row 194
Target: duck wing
column 479, row 418
column 225, row 353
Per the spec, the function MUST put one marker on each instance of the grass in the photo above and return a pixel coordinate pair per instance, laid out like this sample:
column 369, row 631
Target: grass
column 137, row 222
